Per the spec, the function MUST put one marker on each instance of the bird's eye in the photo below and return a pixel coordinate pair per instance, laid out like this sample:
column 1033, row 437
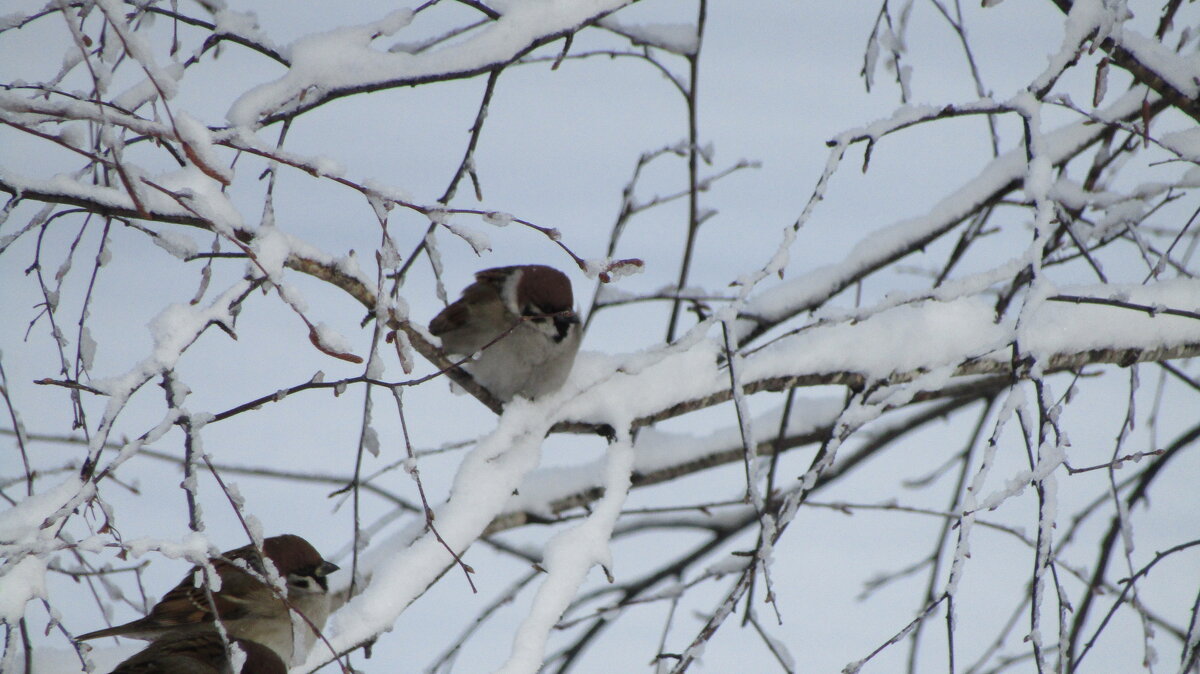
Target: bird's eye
column 301, row 583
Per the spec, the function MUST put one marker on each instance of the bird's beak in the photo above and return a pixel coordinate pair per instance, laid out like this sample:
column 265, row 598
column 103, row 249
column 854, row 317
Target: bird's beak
column 321, row 571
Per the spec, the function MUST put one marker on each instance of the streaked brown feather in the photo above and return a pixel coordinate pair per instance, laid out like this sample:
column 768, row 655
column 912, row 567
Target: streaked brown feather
column 202, row 653
column 188, row 604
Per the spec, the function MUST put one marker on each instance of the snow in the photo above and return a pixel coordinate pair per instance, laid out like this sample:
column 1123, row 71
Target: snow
column 1088, row 20
column 1185, row 143
column 390, row 192
column 241, row 24
column 677, row 38
column 25, row 518
column 616, row 269
column 135, row 45
column 87, row 348
column 146, row 91
column 200, row 195
column 1060, row 327
column 198, row 143
column 1177, row 69
column 731, row 564
column 567, row 557
column 69, row 186
column 271, row 249
column 611, row 389
column 194, row 547
column 939, row 328
column 177, row 327
column 657, row 450
column 404, row 566
column 935, row 334
column 811, row 288
column 23, row 542
column 332, row 340
column 650, row 380
column 478, row 240
column 341, row 59
column 177, row 243
column 498, row 218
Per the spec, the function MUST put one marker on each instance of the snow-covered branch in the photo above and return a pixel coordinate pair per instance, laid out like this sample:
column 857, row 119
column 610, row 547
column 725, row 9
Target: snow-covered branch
column 982, row 345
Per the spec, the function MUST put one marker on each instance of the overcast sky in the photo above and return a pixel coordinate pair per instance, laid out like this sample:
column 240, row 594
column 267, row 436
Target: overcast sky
column 777, row 81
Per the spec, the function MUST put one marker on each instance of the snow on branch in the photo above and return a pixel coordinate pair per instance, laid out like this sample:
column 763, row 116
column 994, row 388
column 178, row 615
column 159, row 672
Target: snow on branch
column 1032, row 280
column 892, row 242
column 317, row 73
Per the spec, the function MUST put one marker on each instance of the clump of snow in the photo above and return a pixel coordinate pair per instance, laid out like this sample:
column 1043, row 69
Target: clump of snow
column 177, row 243
column 1176, row 69
column 339, row 56
column 380, row 205
column 934, row 333
column 815, row 286
column 194, row 547
column 198, row 145
column 13, row 20
column 135, row 45
column 25, row 518
column 388, row 192
column 677, row 38
column 328, row 167
column 1185, row 143
column 498, row 218
column 146, row 91
column 74, row 135
column 349, row 266
column 87, row 348
column 241, row 24
column 644, row 381
column 343, row 58
column 271, row 248
column 292, row 295
column 479, row 241
column 567, row 558
column 1062, row 327
column 201, row 194
column 176, row 327
column 731, row 564
column 389, row 257
column 403, row 566
column 331, row 339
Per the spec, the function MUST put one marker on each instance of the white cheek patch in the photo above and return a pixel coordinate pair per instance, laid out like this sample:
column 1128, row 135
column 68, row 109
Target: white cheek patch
column 546, row 327
column 508, row 292
column 300, row 584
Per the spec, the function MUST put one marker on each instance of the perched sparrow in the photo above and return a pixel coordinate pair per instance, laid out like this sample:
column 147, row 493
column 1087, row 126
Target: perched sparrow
column 248, row 608
column 200, row 653
column 535, row 302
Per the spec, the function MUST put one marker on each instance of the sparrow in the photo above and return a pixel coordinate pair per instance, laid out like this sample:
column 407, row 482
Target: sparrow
column 521, row 322
column 200, row 653
column 248, row 608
